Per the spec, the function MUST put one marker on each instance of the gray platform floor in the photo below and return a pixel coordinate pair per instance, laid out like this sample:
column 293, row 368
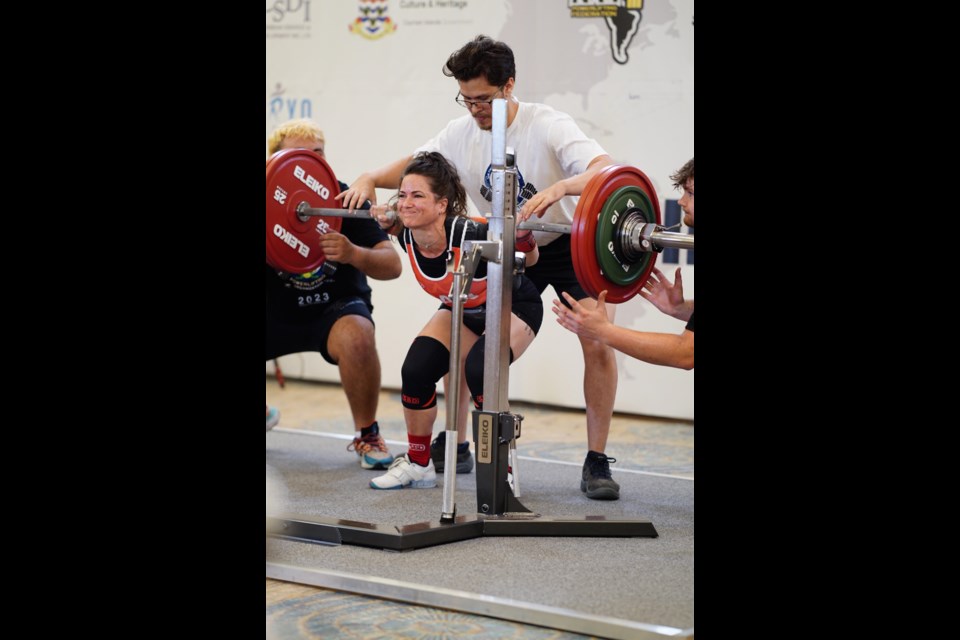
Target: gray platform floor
column 643, row 580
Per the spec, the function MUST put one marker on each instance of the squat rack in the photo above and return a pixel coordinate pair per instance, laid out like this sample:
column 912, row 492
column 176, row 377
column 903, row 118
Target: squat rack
column 495, row 429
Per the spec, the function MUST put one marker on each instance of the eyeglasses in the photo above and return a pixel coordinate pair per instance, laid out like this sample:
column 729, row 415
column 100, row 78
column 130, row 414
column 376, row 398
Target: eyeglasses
column 470, row 104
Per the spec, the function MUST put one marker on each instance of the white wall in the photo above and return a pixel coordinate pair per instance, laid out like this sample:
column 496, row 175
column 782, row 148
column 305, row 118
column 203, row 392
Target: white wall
column 380, row 97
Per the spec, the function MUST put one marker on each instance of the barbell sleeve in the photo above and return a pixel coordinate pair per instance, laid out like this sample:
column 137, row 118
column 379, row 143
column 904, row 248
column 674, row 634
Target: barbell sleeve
column 671, row 239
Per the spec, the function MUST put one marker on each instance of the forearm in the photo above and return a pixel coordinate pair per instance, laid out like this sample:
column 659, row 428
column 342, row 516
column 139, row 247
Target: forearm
column 388, row 176
column 381, row 262
column 656, row 348
column 574, row 185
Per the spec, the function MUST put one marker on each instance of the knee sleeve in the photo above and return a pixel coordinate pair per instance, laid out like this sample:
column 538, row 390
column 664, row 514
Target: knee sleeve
column 427, row 361
column 473, row 369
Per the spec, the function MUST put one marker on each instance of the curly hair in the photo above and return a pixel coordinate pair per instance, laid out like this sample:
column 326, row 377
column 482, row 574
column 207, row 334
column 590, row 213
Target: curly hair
column 683, row 174
column 443, row 178
column 482, row 56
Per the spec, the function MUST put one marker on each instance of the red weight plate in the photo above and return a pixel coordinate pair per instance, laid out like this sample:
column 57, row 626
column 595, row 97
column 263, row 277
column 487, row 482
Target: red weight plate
column 295, row 176
column 582, row 235
column 583, row 232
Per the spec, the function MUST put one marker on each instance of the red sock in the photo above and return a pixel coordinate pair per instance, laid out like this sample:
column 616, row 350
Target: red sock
column 419, row 451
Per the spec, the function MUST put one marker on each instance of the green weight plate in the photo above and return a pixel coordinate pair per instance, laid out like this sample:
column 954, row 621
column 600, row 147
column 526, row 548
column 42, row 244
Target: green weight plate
column 615, row 265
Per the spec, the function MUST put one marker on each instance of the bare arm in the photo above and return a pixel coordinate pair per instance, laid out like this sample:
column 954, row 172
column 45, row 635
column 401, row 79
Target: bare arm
column 380, row 262
column 364, row 188
column 656, row 348
column 572, row 186
column 531, row 258
column 664, row 349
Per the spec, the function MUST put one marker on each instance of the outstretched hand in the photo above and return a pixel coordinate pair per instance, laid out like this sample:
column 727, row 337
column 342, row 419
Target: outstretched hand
column 580, row 320
column 360, row 191
column 540, row 202
column 664, row 295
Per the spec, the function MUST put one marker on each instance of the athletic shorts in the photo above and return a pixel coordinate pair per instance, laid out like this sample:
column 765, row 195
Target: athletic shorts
column 555, row 267
column 286, row 336
column 527, row 306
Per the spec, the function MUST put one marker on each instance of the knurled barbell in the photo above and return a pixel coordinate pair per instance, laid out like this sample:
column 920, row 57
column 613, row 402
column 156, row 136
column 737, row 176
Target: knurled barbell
column 613, row 249
column 636, row 235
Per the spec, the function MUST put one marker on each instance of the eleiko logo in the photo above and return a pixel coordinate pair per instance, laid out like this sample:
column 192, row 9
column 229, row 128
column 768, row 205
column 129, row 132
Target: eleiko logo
column 315, row 185
column 291, row 240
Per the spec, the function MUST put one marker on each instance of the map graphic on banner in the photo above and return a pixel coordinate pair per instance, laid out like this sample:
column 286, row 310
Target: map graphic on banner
column 595, row 35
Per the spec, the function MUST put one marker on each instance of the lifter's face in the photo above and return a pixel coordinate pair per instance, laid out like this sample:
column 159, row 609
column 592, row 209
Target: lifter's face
column 478, row 89
column 686, row 202
column 304, row 143
column 417, row 205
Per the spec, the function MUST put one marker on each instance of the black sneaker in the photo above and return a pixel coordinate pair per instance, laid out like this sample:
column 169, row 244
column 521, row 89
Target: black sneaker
column 597, row 482
column 438, row 453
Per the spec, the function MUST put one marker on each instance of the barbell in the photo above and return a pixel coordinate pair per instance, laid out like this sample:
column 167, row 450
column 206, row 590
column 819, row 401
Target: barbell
column 614, row 237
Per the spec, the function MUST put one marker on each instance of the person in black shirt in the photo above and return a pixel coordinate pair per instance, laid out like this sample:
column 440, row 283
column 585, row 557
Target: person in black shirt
column 332, row 314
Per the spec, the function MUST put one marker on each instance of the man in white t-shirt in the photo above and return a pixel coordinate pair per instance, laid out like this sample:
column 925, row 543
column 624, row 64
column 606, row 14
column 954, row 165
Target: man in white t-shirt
column 554, row 161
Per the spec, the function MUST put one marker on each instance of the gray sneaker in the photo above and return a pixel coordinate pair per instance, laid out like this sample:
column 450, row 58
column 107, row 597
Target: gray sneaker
column 596, row 481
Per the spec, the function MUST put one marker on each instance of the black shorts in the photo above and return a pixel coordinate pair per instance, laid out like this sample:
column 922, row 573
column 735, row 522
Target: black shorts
column 285, row 336
column 555, row 267
column 527, row 306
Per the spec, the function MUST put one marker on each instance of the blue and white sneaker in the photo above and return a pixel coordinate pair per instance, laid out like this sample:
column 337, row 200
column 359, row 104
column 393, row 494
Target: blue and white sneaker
column 403, row 473
column 273, row 417
column 372, row 451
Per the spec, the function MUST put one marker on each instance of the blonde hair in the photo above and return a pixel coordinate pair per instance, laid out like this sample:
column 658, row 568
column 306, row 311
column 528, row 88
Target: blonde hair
column 300, row 128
